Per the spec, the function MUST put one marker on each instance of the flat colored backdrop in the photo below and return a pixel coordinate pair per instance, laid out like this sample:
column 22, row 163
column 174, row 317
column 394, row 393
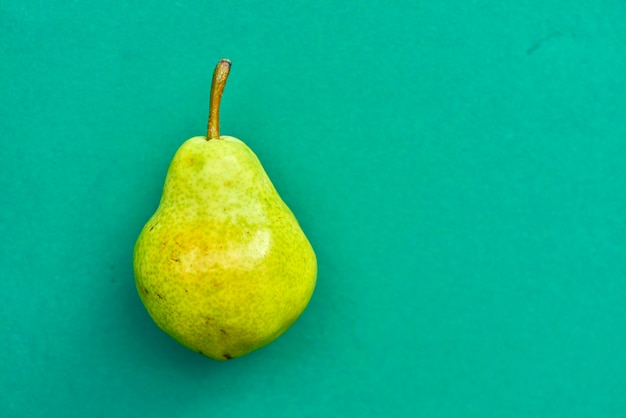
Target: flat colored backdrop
column 458, row 166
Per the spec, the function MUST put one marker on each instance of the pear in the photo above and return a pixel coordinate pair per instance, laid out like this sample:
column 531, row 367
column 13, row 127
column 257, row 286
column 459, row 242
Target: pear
column 222, row 266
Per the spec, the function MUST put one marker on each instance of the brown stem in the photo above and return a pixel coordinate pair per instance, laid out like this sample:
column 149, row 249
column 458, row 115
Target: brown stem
column 220, row 75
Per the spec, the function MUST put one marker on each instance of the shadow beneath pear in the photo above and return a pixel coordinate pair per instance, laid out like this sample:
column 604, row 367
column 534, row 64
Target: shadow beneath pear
column 162, row 376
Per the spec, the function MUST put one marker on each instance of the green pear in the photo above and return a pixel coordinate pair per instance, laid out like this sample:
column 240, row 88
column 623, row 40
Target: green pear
column 223, row 265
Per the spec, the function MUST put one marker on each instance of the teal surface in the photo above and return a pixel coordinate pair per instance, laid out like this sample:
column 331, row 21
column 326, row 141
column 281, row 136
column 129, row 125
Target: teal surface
column 458, row 166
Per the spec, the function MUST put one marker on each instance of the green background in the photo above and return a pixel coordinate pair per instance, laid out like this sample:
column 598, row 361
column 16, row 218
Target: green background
column 458, row 167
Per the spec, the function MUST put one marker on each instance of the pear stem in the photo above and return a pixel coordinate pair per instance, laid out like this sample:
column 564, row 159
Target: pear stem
column 220, row 75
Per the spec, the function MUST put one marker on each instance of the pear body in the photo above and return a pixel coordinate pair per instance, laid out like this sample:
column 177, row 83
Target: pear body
column 222, row 266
